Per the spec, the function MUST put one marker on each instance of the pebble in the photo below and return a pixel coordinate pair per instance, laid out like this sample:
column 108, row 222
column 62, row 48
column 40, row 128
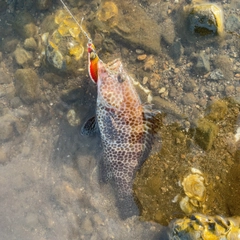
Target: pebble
column 22, row 57
column 189, row 85
column 141, row 57
column 229, row 90
column 6, row 128
column 188, row 99
column 145, row 80
column 10, row 45
column 216, row 75
column 162, row 90
column 203, row 64
column 27, row 85
column 30, row 44
column 4, row 77
column 44, row 4
column 72, row 118
column 149, row 63
column 3, row 156
column 154, row 81
column 86, row 226
column 139, row 51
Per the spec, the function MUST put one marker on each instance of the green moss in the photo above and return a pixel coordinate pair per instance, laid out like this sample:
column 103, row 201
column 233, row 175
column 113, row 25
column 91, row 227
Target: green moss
column 206, row 132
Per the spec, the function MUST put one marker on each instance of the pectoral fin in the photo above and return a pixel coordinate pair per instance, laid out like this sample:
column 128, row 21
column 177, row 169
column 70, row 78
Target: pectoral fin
column 89, row 127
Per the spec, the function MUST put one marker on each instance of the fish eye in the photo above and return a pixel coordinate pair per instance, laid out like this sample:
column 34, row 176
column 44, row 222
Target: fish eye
column 119, row 78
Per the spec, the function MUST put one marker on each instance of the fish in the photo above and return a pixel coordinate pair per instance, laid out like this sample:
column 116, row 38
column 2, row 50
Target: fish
column 126, row 127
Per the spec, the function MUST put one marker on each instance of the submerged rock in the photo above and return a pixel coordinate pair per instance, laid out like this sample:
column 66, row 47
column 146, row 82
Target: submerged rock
column 206, row 133
column 27, row 85
column 126, row 28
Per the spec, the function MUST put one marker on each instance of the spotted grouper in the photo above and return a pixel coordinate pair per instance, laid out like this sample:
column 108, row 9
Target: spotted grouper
column 126, row 127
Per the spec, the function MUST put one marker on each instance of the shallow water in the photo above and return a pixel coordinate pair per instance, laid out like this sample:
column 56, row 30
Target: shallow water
column 50, row 186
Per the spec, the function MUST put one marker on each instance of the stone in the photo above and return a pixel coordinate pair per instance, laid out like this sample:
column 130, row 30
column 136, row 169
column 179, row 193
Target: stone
column 206, row 133
column 189, row 85
column 176, row 50
column 4, row 77
column 6, row 128
column 3, row 156
column 216, row 74
column 87, row 226
column 10, row 45
column 217, row 110
column 149, row 63
column 44, row 4
column 205, row 19
column 24, row 25
column 166, row 106
column 125, row 27
column 72, row 118
column 30, row 44
column 27, row 85
column 224, row 63
column 168, row 35
column 22, row 57
column 15, row 102
column 154, row 81
column 188, row 99
column 232, row 23
column 1, row 56
column 203, row 65
column 230, row 90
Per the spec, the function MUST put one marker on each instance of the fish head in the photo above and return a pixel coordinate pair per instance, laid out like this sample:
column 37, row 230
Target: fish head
column 113, row 83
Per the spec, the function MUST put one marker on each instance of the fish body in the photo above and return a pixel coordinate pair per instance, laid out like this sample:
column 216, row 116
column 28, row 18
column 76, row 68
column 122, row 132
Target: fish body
column 125, row 126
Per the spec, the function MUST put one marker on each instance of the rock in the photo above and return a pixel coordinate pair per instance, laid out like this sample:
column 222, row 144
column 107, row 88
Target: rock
column 6, row 128
column 224, row 63
column 15, row 102
column 230, row 90
column 72, row 118
column 4, row 77
column 10, row 45
column 188, row 99
column 168, row 35
column 202, row 66
column 44, row 4
column 3, row 156
column 189, row 85
column 232, row 23
column 22, row 57
column 233, row 189
column 1, row 57
column 216, row 74
column 176, row 50
column 125, row 27
column 217, row 110
column 149, row 63
column 53, row 78
column 206, row 133
column 154, row 81
column 204, row 19
column 27, row 85
column 7, row 91
column 166, row 106
column 24, row 25
column 87, row 226
column 30, row 44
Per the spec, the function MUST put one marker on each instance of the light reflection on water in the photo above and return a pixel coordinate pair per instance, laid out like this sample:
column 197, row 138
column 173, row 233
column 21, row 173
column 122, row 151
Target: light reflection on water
column 50, row 186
